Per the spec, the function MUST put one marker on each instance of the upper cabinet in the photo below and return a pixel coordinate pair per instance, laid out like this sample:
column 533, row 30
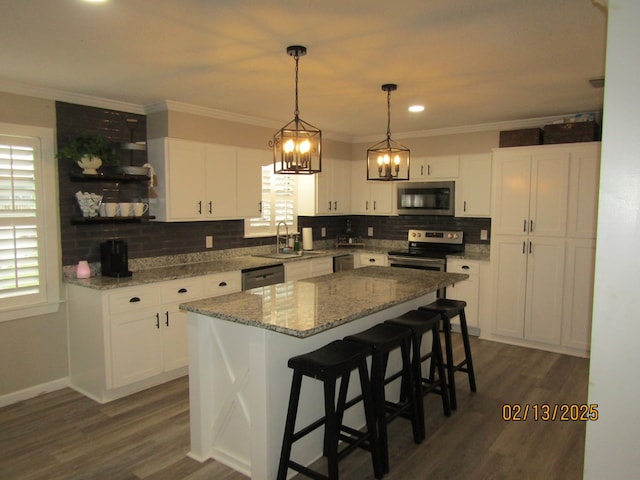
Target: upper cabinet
column 199, row 181
column 328, row 192
column 370, row 197
column 434, row 168
column 473, row 186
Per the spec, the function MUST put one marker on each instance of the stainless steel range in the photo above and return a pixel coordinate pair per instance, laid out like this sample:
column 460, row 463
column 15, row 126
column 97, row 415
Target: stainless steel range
column 428, row 250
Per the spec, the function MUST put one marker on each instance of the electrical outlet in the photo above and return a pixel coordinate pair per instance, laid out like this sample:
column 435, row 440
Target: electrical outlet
column 323, row 232
column 208, row 240
column 484, row 235
column 370, row 231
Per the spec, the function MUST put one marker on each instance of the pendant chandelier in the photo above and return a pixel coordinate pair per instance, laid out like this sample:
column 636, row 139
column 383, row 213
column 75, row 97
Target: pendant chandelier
column 297, row 145
column 388, row 160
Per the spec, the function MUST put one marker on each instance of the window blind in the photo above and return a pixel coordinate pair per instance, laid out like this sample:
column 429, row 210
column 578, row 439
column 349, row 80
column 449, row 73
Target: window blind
column 278, row 204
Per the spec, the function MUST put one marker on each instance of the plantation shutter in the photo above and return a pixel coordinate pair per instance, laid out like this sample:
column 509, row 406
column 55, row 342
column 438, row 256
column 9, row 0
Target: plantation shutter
column 278, row 204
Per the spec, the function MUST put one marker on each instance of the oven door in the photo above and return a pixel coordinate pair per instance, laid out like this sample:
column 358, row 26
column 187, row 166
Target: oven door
column 418, row 263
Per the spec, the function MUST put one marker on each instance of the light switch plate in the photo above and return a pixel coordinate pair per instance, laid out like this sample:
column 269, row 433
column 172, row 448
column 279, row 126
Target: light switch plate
column 484, row 235
column 208, row 240
column 370, row 231
column 323, row 232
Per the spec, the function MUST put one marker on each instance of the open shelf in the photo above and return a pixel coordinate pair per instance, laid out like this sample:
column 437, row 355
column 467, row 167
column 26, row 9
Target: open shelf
column 101, row 177
column 92, row 220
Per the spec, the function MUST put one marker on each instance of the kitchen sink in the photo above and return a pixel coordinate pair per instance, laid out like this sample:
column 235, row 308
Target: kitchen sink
column 304, row 253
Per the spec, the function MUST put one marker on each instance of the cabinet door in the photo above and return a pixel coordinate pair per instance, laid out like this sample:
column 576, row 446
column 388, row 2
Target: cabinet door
column 578, row 298
column 473, row 187
column 583, row 192
column 340, row 188
column 442, row 167
column 545, row 287
column 359, row 188
column 136, row 346
column 249, row 181
column 467, row 290
column 379, row 259
column 381, row 199
column 185, row 172
column 509, row 259
column 549, row 193
column 220, row 182
column 298, row 270
column 175, row 343
column 511, row 185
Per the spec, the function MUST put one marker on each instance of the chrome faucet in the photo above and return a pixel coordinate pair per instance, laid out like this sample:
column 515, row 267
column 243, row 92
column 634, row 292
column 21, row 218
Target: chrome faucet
column 278, row 235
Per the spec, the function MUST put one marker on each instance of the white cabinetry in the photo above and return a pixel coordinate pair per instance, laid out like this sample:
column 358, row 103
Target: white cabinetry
column 249, row 181
column 200, row 181
column 314, row 267
column 328, row 192
column 434, row 168
column 127, row 339
column 467, row 290
column 473, row 186
column 370, row 197
column 542, row 244
column 364, row 259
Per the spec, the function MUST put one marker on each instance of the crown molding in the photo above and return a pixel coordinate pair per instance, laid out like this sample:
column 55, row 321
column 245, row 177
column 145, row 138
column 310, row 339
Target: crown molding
column 69, row 97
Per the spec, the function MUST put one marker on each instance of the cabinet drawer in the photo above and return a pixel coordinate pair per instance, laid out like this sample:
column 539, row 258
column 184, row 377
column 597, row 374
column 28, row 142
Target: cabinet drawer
column 133, row 298
column 469, row 267
column 379, row 259
column 222, row 284
column 183, row 289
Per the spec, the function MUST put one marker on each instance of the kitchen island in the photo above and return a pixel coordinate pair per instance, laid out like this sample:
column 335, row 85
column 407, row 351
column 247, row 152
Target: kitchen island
column 239, row 345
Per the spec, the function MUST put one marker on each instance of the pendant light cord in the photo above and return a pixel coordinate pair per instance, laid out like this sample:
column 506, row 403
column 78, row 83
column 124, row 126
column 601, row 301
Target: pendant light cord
column 296, row 112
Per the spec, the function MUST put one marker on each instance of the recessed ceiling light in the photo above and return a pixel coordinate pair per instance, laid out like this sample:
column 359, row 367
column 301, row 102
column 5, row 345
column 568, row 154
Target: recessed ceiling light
column 416, row 108
column 96, row 1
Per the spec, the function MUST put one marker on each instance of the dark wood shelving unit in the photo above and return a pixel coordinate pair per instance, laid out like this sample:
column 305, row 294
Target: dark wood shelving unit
column 79, row 177
column 97, row 220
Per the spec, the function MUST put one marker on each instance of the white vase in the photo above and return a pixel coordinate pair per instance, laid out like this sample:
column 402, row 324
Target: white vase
column 89, row 165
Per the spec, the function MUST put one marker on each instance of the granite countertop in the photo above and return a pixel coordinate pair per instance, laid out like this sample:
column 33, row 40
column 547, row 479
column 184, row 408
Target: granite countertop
column 306, row 307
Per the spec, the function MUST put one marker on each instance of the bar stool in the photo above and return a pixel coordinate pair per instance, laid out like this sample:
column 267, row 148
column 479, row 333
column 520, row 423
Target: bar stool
column 449, row 309
column 335, row 360
column 420, row 323
column 383, row 339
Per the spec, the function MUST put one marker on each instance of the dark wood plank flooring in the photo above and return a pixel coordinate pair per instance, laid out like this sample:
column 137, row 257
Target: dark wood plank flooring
column 64, row 435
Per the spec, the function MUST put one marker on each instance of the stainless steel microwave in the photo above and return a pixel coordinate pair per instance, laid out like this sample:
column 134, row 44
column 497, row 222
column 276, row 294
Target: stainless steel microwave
column 426, row 198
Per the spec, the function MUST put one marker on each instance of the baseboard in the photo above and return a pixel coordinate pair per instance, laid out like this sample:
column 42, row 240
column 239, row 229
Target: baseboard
column 34, row 391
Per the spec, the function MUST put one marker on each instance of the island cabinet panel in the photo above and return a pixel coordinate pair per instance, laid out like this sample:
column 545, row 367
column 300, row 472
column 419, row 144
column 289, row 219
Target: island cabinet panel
column 123, row 340
column 313, row 267
column 467, row 290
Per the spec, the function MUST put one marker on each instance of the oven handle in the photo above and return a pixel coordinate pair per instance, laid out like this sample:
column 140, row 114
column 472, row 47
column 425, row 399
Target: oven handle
column 419, row 262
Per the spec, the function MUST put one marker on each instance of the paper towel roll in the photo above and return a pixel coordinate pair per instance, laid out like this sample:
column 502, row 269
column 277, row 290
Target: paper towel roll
column 307, row 238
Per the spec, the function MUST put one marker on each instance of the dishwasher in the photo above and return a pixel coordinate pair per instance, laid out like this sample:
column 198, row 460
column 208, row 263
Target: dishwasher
column 343, row 262
column 262, row 276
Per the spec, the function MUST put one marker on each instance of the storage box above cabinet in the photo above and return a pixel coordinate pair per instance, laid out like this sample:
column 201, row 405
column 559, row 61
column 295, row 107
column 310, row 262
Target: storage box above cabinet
column 200, row 182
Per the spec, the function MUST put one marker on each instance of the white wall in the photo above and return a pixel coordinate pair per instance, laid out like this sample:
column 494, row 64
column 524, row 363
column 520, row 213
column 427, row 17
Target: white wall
column 612, row 441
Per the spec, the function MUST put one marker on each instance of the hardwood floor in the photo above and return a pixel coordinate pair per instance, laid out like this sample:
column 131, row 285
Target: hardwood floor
column 64, row 435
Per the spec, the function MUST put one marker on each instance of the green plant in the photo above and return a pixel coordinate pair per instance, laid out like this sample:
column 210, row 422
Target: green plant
column 90, row 144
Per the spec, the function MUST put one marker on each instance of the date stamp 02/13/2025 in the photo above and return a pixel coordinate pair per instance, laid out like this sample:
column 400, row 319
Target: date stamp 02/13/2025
column 546, row 412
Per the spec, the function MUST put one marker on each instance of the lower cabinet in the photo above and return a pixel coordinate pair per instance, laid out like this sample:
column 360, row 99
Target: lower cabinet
column 364, row 259
column 313, row 267
column 467, row 290
column 126, row 339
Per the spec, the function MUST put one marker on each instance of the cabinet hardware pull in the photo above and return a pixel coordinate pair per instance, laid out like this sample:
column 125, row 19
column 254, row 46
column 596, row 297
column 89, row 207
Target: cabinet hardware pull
column 182, row 290
column 329, row 204
column 428, row 170
column 366, row 205
column 422, row 170
column 134, row 299
column 222, row 284
column 524, row 247
column 166, row 321
column 531, row 226
column 335, row 205
column 375, row 204
column 200, row 207
column 260, row 206
column 464, row 207
column 530, row 243
column 210, row 207
column 157, row 320
column 372, row 259
column 465, row 267
column 524, row 226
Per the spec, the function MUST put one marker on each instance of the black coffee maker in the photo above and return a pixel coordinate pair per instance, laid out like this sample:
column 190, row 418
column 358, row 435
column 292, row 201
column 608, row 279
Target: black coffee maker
column 114, row 258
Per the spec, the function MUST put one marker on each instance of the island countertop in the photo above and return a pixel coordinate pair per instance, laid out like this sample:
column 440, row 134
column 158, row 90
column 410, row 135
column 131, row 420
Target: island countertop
column 306, row 307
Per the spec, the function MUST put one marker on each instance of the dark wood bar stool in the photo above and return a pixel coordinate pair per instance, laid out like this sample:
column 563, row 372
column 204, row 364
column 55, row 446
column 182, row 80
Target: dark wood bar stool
column 419, row 323
column 383, row 339
column 334, row 361
column 449, row 309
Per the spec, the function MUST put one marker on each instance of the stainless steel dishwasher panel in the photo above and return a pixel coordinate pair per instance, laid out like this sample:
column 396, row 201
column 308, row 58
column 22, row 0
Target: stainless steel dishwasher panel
column 343, row 262
column 262, row 276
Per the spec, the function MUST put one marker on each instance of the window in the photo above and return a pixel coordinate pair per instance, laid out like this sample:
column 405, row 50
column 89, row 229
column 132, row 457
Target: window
column 29, row 239
column 278, row 204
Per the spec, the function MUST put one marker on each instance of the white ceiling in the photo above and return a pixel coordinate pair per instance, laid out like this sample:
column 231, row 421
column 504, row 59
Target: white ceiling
column 468, row 61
